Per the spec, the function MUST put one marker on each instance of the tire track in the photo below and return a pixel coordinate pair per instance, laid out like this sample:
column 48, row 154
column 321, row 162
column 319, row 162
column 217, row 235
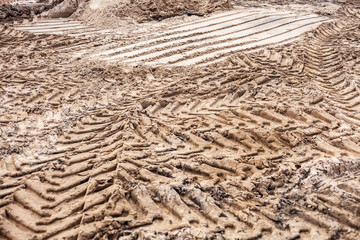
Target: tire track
column 262, row 145
column 189, row 43
column 174, row 45
column 60, row 26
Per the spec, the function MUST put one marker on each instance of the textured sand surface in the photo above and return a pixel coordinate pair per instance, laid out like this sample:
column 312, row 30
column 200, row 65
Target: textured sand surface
column 202, row 41
column 108, row 134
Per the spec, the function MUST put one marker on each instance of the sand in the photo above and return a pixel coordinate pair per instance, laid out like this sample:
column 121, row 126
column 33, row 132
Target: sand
column 248, row 144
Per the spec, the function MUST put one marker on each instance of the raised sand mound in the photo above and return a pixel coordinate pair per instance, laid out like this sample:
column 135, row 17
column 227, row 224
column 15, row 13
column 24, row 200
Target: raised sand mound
column 63, row 10
column 139, row 10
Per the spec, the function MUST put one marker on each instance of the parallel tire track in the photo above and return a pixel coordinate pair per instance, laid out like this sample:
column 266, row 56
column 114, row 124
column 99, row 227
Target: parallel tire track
column 192, row 43
column 184, row 45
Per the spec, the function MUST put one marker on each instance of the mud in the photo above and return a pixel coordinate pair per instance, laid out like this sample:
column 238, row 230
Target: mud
column 250, row 144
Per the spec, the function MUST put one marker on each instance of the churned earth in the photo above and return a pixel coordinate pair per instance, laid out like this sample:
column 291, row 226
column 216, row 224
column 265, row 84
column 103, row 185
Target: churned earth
column 241, row 122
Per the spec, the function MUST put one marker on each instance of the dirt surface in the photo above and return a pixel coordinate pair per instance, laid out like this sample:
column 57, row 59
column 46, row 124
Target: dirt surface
column 261, row 144
column 107, row 13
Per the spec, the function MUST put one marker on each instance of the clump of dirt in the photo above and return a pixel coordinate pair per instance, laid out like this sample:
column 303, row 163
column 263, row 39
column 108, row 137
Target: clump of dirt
column 10, row 12
column 63, row 10
column 16, row 12
column 138, row 10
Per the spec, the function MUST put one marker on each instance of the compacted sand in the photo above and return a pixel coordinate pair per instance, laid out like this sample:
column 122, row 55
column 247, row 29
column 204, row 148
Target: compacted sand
column 241, row 124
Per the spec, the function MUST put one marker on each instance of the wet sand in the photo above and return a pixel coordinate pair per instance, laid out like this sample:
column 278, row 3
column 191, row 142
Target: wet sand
column 108, row 134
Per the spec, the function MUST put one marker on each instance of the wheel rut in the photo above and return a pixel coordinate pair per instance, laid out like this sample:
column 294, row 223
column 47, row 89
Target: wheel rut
column 254, row 145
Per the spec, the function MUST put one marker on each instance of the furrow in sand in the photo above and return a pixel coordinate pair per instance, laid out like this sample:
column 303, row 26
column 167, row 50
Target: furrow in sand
column 40, row 26
column 265, row 39
column 228, row 31
column 219, row 20
column 214, row 17
column 283, row 30
column 237, row 19
column 59, row 30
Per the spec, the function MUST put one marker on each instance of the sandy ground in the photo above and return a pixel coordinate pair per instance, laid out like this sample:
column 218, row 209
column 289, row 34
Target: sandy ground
column 249, row 143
